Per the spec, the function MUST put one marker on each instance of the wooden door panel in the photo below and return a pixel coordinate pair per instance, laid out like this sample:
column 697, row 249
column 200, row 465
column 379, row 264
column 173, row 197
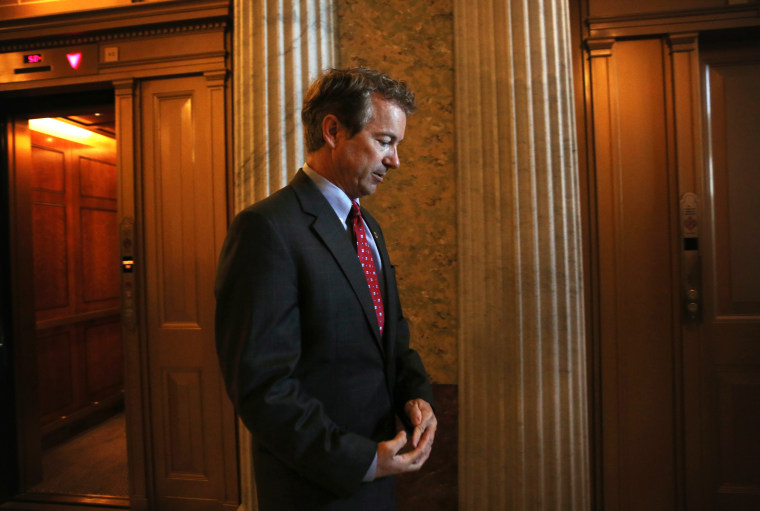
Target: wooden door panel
column 634, row 200
column 97, row 229
column 97, row 178
column 183, row 195
column 55, row 368
column 731, row 331
column 739, row 424
column 183, row 417
column 51, row 178
column 176, row 220
column 104, row 359
column 48, row 169
column 100, row 259
column 51, row 260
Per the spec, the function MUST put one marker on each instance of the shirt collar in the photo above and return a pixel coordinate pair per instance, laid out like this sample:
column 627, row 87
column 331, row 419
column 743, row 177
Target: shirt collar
column 337, row 198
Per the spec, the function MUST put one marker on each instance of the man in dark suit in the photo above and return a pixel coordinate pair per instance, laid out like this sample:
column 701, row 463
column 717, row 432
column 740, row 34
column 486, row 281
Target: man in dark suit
column 312, row 342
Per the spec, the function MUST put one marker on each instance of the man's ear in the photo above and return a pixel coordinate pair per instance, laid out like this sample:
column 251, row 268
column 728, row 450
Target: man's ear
column 331, row 126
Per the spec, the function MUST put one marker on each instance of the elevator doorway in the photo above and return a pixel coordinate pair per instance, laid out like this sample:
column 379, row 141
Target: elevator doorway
column 171, row 137
column 165, row 68
column 678, row 357
column 66, row 302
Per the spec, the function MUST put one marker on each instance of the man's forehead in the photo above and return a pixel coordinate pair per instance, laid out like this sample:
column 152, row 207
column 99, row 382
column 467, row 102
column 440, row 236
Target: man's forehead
column 378, row 101
column 386, row 111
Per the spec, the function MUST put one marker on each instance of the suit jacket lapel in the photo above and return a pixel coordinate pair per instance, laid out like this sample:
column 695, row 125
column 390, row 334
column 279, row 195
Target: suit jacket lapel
column 329, row 229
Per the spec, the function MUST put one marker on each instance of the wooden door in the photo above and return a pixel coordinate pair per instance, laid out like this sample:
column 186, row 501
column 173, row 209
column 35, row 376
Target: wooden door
column 729, row 326
column 677, row 354
column 184, row 220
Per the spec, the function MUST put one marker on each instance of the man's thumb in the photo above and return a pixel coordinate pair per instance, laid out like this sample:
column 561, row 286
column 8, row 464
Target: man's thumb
column 399, row 441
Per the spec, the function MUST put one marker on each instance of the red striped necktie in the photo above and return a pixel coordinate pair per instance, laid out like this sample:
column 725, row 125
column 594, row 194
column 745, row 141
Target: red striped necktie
column 368, row 262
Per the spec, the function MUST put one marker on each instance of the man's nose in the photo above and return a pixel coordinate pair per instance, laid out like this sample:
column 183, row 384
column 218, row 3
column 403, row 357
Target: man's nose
column 392, row 160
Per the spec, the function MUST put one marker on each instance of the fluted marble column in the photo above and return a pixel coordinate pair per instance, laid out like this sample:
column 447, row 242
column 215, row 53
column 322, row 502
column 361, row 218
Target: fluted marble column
column 279, row 47
column 523, row 404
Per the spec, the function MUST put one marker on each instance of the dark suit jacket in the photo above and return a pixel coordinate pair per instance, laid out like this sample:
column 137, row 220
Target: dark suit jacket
column 301, row 354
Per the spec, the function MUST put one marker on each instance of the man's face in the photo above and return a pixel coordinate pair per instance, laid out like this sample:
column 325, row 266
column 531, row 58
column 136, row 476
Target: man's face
column 363, row 160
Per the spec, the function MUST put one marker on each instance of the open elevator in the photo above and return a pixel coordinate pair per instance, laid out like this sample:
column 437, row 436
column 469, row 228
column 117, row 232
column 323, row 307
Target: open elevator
column 114, row 147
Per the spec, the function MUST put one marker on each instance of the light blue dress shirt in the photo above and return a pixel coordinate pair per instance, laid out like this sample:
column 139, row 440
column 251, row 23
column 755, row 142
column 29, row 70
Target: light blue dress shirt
column 341, row 204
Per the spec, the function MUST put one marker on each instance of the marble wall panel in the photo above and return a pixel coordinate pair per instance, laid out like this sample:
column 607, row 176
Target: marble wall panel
column 412, row 40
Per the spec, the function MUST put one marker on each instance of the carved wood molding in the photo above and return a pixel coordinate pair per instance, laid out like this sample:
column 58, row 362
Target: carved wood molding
column 674, row 21
column 29, row 42
column 55, row 19
column 600, row 47
column 683, row 42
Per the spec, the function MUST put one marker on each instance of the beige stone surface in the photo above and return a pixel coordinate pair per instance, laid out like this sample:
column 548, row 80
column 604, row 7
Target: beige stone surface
column 412, row 40
column 523, row 437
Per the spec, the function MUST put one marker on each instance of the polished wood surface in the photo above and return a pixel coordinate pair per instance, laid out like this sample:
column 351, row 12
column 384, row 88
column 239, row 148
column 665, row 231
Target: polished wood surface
column 610, row 8
column 152, row 40
column 56, row 365
column 676, row 393
column 635, row 227
column 730, row 333
column 621, row 18
column 76, row 278
column 185, row 209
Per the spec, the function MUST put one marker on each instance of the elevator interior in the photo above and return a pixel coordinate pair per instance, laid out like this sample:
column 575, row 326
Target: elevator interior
column 62, row 168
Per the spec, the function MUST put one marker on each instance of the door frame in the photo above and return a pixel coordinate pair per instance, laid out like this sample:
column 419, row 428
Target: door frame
column 199, row 47
column 8, row 471
column 21, row 323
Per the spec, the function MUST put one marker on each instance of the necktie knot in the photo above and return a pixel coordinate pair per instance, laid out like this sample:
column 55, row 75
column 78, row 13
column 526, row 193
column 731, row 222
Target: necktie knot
column 355, row 212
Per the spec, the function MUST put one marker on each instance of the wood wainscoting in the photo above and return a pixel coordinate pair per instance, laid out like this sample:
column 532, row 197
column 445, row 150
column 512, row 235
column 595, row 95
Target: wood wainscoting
column 76, row 283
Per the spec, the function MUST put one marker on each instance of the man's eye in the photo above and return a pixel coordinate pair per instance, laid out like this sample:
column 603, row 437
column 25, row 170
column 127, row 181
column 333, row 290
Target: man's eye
column 384, row 142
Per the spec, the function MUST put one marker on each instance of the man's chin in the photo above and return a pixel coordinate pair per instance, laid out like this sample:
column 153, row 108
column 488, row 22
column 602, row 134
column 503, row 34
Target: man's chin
column 367, row 190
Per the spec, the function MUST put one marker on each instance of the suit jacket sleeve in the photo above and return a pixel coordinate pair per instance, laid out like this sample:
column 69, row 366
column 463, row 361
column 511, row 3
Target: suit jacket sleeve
column 259, row 343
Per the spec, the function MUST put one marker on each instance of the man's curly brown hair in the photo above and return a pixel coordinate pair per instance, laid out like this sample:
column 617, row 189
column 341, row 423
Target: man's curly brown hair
column 346, row 93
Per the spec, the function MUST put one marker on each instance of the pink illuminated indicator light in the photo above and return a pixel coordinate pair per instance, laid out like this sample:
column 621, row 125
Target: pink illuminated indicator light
column 33, row 59
column 74, row 59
